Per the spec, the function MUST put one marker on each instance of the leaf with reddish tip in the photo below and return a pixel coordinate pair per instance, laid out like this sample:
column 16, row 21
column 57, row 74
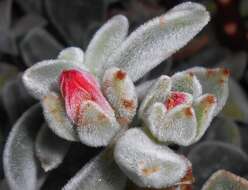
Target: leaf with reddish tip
column 106, row 40
column 224, row 180
column 204, row 109
column 43, row 77
column 147, row 163
column 120, row 92
column 55, row 115
column 186, row 82
column 95, row 127
column 158, row 39
column 177, row 125
column 214, row 81
column 73, row 54
column 20, row 164
column 50, row 149
column 157, row 93
column 101, row 173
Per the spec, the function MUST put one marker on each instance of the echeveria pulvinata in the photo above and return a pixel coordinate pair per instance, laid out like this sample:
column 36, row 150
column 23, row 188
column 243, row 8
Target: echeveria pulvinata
column 91, row 97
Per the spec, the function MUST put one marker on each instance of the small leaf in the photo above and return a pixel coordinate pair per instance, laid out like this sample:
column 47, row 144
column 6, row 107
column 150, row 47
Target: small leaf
column 73, row 54
column 186, row 82
column 101, row 173
column 158, row 39
column 178, row 125
column 50, row 149
column 42, row 77
column 214, row 81
column 120, row 92
column 55, row 115
column 95, row 128
column 157, row 93
column 146, row 163
column 204, row 109
column 20, row 164
column 106, row 40
column 224, row 180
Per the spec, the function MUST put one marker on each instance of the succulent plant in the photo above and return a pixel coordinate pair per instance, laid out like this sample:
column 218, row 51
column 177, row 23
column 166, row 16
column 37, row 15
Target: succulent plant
column 92, row 98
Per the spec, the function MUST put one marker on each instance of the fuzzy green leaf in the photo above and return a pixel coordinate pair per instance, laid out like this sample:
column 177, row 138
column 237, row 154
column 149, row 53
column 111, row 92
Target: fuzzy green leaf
column 121, row 94
column 158, row 39
column 50, row 149
column 101, row 173
column 147, row 163
column 55, row 115
column 20, row 164
column 106, row 40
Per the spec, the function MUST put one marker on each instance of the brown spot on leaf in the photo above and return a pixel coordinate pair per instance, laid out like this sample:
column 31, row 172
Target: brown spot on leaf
column 150, row 170
column 188, row 112
column 123, row 120
column 226, row 72
column 128, row 104
column 120, row 75
column 210, row 99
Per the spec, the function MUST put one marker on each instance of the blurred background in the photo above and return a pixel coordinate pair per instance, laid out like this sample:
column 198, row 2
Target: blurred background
column 34, row 30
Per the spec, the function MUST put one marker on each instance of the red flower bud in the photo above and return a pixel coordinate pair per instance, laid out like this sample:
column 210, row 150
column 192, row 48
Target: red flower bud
column 174, row 99
column 78, row 87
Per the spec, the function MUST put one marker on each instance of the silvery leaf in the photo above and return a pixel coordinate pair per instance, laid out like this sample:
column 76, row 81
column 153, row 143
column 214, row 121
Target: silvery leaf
column 204, row 107
column 106, row 40
column 120, row 92
column 94, row 126
column 157, row 93
column 20, row 164
column 101, row 173
column 55, row 115
column 213, row 81
column 73, row 54
column 50, row 149
column 177, row 125
column 224, row 180
column 42, row 77
column 158, row 39
column 147, row 163
column 186, row 82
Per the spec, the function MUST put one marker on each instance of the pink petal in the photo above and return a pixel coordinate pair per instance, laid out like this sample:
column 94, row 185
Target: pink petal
column 175, row 99
column 77, row 87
